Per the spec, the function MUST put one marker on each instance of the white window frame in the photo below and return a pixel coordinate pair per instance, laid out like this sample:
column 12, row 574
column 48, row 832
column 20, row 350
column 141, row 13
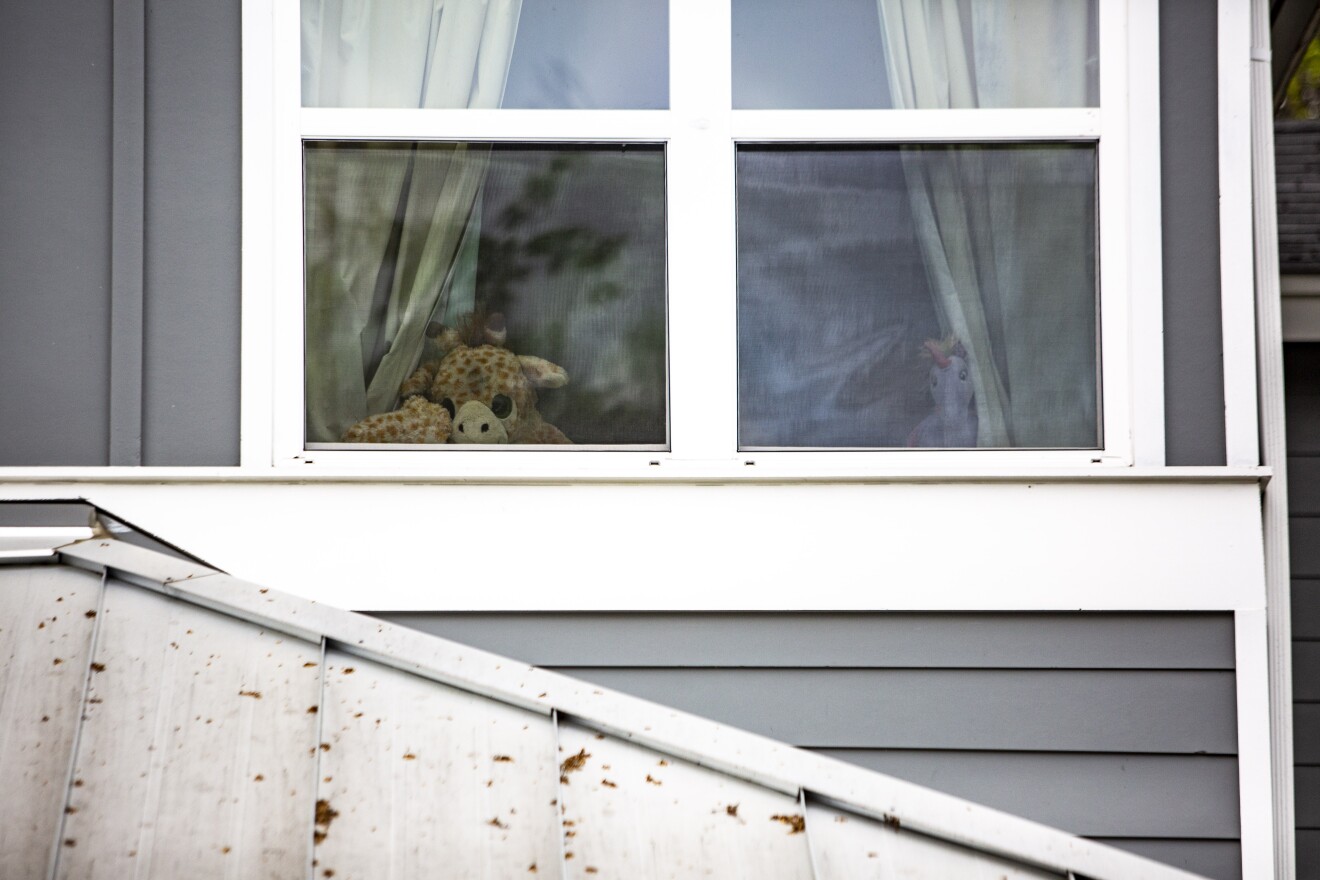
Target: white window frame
column 699, row 132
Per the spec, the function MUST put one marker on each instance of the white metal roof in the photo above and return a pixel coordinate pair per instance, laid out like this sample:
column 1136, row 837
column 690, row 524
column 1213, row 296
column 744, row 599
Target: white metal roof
column 163, row 719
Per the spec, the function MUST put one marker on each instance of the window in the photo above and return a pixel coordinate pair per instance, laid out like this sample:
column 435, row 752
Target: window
column 650, row 234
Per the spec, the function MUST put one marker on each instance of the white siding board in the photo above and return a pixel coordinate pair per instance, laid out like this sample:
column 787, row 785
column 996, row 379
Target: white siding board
column 630, row 812
column 850, row 847
column 45, row 642
column 419, row 775
column 1077, row 710
column 1011, row 641
column 182, row 769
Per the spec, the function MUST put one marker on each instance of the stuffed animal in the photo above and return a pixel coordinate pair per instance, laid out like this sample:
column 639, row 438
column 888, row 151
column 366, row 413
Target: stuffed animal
column 486, row 393
column 416, row 421
column 952, row 421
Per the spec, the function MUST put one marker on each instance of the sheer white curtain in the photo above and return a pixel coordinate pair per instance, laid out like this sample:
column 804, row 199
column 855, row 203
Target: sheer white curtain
column 391, row 230
column 993, row 241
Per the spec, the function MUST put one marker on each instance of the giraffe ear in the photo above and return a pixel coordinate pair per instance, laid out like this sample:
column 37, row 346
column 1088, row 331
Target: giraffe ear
column 446, row 338
column 541, row 373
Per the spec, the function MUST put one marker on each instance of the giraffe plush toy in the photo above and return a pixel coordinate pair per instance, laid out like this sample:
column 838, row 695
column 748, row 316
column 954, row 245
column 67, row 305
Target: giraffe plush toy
column 474, row 390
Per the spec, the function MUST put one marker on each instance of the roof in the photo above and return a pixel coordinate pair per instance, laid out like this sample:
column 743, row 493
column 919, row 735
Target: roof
column 163, row 718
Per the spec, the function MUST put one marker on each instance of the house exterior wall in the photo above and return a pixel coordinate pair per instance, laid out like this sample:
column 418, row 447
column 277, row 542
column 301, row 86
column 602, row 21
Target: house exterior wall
column 55, row 213
column 56, row 232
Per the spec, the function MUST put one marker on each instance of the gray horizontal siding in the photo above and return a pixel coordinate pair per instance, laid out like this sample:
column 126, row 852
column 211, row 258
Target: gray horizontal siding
column 1306, row 671
column 1004, row 641
column 1306, row 733
column 1169, row 796
column 1115, row 726
column 1073, row 710
column 1189, row 137
column 54, row 232
column 175, row 233
column 1302, row 384
column 1305, row 609
column 1209, row 858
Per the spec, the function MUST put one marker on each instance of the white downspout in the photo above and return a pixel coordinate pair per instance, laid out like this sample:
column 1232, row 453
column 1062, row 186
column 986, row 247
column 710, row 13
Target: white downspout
column 1273, row 444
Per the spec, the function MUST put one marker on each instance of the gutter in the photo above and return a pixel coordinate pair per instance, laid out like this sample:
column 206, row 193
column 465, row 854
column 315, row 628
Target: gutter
column 1273, row 443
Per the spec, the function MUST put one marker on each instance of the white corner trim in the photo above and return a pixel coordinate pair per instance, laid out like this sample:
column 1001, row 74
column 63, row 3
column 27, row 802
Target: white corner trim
column 1255, row 783
column 1145, row 241
column 1236, row 264
column 258, row 235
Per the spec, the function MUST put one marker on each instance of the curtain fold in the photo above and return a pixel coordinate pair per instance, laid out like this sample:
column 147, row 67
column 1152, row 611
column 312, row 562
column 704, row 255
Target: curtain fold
column 391, row 230
column 980, row 228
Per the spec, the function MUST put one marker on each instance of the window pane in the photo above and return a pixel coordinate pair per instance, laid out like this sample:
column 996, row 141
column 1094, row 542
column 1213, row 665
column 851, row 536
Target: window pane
column 932, row 296
column 565, row 244
column 914, row 54
column 560, row 54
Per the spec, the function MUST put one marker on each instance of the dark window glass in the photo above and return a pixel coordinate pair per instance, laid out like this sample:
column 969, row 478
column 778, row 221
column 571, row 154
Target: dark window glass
column 537, row 270
column 921, row 296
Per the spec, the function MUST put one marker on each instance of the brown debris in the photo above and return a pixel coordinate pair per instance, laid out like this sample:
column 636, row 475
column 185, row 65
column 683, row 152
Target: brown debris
column 572, row 764
column 531, row 869
column 225, row 850
column 732, row 810
column 608, row 784
column 89, row 614
column 256, row 695
column 663, row 763
column 57, row 661
column 503, row 759
column 312, row 710
column 797, row 824
column 98, row 667
column 70, row 810
column 651, row 779
column 325, row 814
column 69, row 841
column 409, row 756
column 308, row 664
column 496, row 823
column 325, row 747
column 590, row 870
column 891, row 821
column 349, row 670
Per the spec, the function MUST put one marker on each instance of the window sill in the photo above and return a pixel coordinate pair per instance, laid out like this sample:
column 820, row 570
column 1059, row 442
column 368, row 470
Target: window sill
column 667, row 472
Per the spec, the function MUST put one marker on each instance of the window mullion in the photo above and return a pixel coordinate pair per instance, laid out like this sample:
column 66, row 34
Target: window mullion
column 702, row 327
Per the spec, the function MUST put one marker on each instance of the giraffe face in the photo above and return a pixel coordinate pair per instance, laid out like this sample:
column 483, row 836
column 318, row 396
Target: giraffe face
column 486, row 391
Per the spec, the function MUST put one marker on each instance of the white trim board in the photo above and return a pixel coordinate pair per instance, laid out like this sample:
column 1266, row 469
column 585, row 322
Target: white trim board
column 621, row 547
